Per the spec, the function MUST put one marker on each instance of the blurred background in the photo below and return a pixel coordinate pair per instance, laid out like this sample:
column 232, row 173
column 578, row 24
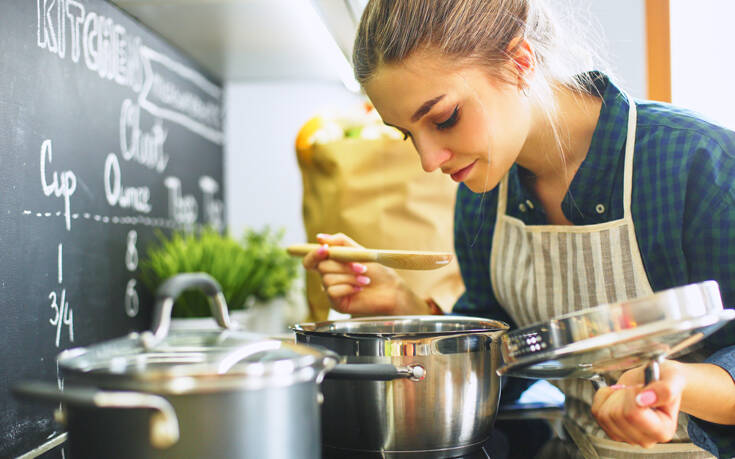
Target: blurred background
column 283, row 61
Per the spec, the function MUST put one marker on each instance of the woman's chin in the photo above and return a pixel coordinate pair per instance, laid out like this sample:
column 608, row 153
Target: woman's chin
column 480, row 185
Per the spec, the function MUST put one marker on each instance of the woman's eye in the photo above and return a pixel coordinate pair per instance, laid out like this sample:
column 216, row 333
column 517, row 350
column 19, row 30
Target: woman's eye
column 449, row 122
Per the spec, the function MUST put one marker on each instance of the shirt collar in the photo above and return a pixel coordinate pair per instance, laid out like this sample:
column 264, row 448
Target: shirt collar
column 589, row 197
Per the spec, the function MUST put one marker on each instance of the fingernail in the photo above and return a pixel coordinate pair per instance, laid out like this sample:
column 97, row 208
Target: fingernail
column 357, row 288
column 646, row 398
column 364, row 280
column 617, row 386
column 321, row 235
column 321, row 250
column 358, row 268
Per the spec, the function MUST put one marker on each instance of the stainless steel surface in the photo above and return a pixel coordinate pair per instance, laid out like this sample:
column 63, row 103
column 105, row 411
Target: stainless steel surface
column 449, row 413
column 235, row 395
column 271, row 423
column 376, row 372
column 164, row 426
column 191, row 361
column 476, row 451
column 399, row 327
column 617, row 336
column 167, row 294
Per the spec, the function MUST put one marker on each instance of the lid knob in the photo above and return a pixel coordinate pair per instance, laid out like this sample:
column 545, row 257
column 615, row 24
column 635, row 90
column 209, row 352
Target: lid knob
column 166, row 296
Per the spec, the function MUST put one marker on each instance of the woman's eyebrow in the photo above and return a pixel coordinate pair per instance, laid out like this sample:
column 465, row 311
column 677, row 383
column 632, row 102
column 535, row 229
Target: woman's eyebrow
column 425, row 107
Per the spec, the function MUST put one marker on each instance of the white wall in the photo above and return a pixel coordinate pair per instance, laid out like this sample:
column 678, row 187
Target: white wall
column 618, row 30
column 262, row 178
column 702, row 66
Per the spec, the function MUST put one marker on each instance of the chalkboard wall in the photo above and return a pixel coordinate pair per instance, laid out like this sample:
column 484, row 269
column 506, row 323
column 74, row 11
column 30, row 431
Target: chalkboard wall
column 107, row 133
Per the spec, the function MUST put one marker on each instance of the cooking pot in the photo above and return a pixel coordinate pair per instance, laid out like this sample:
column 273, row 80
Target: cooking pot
column 428, row 386
column 190, row 393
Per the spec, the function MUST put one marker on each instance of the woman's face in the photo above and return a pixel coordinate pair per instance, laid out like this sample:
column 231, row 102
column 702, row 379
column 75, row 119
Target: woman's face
column 461, row 120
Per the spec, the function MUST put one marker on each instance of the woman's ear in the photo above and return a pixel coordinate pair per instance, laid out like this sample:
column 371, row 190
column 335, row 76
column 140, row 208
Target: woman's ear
column 523, row 61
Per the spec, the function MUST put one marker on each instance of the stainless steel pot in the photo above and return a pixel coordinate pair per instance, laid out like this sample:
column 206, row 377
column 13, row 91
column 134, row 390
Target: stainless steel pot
column 191, row 393
column 423, row 386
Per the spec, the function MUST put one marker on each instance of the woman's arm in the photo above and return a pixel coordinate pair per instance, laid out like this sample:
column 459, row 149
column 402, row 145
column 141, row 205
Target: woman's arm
column 719, row 439
column 709, row 393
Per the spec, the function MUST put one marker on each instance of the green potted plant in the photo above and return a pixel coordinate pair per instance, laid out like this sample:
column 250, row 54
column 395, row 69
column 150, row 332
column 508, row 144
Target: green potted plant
column 253, row 272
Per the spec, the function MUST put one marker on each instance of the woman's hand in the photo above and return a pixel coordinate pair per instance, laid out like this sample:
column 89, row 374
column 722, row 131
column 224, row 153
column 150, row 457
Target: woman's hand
column 631, row 413
column 361, row 288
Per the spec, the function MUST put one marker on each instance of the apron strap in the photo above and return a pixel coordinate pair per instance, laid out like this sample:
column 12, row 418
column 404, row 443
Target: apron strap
column 629, row 150
column 502, row 198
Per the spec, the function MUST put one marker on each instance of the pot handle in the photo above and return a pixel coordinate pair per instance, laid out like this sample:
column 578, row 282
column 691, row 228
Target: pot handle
column 166, row 296
column 164, row 428
column 368, row 371
column 376, row 372
column 651, row 373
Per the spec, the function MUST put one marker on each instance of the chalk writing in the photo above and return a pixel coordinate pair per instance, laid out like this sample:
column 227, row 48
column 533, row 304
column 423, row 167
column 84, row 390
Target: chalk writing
column 145, row 148
column 131, row 197
column 132, row 302
column 105, row 46
column 182, row 209
column 116, row 55
column 63, row 184
column 131, row 254
column 62, row 315
column 164, row 99
column 213, row 207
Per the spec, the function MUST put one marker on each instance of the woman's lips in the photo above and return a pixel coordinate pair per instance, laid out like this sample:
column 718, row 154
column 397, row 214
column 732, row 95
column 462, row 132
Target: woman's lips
column 463, row 173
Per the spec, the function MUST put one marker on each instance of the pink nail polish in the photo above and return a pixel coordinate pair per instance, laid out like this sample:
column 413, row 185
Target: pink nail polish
column 357, row 288
column 321, row 235
column 321, row 250
column 646, row 398
column 358, row 268
column 617, row 386
column 364, row 280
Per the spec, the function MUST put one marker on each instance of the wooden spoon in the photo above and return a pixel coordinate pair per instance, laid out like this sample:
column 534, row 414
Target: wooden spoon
column 399, row 259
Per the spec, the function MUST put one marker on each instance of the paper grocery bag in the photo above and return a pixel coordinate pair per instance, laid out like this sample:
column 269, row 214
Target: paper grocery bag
column 376, row 192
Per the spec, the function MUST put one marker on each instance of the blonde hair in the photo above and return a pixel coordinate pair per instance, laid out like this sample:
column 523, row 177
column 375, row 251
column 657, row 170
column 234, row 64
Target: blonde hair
column 480, row 31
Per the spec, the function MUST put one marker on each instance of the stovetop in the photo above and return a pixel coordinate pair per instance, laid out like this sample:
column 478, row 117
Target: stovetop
column 479, row 454
column 483, row 452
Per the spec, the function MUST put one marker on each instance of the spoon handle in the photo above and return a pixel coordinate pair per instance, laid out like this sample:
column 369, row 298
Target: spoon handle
column 339, row 253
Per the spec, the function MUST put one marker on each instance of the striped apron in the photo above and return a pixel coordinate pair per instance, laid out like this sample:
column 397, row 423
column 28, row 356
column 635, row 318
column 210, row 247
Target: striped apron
column 542, row 271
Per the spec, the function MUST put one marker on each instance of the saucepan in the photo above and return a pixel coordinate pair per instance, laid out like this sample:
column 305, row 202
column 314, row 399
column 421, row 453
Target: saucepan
column 190, row 393
column 428, row 386
column 614, row 337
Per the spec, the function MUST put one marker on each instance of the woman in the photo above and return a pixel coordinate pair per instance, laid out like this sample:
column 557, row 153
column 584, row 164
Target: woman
column 571, row 195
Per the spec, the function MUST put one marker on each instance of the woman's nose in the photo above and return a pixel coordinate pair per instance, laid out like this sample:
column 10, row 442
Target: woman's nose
column 432, row 156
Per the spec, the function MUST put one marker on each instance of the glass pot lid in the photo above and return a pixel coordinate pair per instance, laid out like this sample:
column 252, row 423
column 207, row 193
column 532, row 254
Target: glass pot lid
column 616, row 336
column 189, row 360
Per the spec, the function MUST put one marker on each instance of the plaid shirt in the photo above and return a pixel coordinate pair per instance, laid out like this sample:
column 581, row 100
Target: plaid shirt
column 683, row 208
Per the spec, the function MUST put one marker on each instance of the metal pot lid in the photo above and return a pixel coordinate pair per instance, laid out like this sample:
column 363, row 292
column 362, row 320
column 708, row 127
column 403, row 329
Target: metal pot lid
column 194, row 360
column 401, row 326
column 617, row 336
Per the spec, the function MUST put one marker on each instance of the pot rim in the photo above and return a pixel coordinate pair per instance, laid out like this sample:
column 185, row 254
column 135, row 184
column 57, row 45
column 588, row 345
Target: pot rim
column 330, row 328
